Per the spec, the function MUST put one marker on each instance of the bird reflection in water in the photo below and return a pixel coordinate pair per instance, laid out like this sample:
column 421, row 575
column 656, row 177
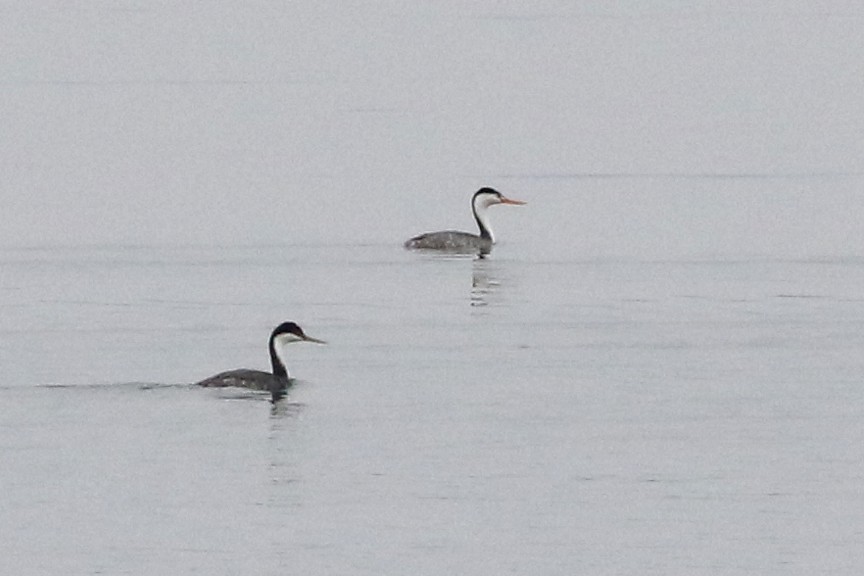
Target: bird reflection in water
column 484, row 281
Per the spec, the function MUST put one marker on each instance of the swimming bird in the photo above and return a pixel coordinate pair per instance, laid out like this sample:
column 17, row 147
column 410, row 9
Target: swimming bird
column 278, row 380
column 464, row 242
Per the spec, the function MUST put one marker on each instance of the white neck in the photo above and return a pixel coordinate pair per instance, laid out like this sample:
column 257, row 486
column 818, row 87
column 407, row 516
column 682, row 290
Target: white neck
column 280, row 353
column 279, row 345
column 481, row 214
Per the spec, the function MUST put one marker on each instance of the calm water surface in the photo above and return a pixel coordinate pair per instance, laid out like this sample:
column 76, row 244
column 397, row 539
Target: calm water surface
column 658, row 371
column 468, row 416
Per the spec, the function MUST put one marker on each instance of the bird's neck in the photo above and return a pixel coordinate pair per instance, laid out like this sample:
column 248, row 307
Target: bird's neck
column 276, row 362
column 482, row 218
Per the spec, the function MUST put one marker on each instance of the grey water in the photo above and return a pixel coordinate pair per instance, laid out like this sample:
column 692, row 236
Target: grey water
column 474, row 416
column 656, row 371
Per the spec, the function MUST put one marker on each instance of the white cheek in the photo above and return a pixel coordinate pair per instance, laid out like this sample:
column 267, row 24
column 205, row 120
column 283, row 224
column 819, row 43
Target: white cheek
column 288, row 339
column 489, row 201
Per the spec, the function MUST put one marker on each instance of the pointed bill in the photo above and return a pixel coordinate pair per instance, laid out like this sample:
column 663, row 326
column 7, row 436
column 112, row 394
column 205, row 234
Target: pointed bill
column 505, row 200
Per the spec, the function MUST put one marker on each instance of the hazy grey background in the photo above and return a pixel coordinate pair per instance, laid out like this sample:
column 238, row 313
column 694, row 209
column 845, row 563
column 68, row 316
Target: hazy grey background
column 633, row 128
column 658, row 370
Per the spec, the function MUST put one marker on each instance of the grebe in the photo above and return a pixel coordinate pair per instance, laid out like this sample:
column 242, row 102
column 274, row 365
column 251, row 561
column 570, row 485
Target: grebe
column 464, row 242
column 277, row 381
